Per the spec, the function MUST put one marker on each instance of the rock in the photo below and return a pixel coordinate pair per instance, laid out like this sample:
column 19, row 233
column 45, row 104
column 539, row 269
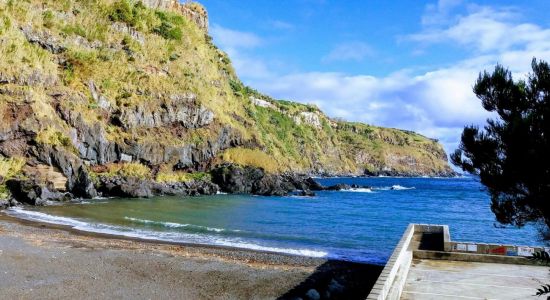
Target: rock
column 29, row 192
column 125, row 158
column 306, row 193
column 24, row 191
column 262, row 103
column 183, row 109
column 43, row 39
column 101, row 101
column 130, row 31
column 235, row 179
column 143, row 188
column 309, row 118
column 4, row 203
column 14, row 202
column 335, row 287
column 339, row 187
column 313, row 294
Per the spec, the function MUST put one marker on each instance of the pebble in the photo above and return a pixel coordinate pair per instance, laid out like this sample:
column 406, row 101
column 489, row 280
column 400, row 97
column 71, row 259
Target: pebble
column 313, row 294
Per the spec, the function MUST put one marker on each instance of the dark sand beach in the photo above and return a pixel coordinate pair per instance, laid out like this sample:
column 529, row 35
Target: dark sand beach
column 42, row 261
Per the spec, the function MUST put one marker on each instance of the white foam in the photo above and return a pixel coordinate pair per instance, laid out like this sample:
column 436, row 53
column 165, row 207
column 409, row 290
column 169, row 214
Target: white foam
column 359, row 190
column 393, row 187
column 401, row 188
column 177, row 237
column 221, row 193
column 177, row 225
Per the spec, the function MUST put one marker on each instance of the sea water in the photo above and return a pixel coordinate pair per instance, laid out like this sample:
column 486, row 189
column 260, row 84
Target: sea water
column 358, row 225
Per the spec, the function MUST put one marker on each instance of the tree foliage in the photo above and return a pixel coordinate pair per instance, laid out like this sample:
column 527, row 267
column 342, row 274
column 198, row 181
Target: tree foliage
column 511, row 154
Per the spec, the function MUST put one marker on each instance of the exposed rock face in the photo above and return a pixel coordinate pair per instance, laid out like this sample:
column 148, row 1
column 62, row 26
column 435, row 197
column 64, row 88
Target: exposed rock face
column 309, row 118
column 78, row 178
column 262, row 103
column 193, row 11
column 43, row 39
column 182, row 109
column 30, row 192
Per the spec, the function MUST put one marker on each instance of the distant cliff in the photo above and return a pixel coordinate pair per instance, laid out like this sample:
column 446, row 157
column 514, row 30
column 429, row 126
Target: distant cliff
column 101, row 89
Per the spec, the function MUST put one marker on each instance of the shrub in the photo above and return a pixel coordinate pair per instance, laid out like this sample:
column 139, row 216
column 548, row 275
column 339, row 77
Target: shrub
column 122, row 11
column 47, row 19
column 169, row 26
column 53, row 137
column 9, row 168
column 179, row 176
column 169, row 31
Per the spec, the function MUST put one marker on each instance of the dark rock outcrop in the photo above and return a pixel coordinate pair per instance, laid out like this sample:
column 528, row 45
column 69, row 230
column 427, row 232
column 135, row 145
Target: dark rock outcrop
column 29, row 192
column 130, row 187
column 78, row 178
column 236, row 179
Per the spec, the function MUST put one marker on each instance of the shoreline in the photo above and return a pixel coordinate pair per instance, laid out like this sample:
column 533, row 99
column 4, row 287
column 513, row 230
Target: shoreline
column 300, row 260
column 27, row 248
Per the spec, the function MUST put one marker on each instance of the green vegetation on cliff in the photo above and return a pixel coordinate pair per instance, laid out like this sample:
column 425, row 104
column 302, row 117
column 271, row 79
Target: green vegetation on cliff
column 109, row 81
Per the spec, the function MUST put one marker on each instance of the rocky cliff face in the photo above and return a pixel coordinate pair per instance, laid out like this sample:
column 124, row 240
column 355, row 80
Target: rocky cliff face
column 117, row 95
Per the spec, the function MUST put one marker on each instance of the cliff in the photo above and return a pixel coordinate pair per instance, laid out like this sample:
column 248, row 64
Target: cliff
column 96, row 90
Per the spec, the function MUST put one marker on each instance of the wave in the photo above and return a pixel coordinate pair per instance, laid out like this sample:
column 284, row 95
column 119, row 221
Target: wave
column 178, row 225
column 359, row 190
column 175, row 237
column 401, row 188
column 395, row 187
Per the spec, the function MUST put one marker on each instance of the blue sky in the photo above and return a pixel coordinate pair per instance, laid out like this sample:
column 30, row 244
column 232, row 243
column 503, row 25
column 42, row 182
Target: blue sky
column 403, row 64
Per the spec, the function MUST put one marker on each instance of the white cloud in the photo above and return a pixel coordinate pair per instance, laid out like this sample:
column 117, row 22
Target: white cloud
column 439, row 13
column 233, row 39
column 351, row 51
column 238, row 45
column 436, row 103
column 487, row 30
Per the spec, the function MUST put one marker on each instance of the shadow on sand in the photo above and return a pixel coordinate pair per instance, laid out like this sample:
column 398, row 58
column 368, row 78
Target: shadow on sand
column 337, row 280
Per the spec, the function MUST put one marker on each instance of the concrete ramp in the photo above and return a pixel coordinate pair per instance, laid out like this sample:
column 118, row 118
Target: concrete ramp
column 441, row 279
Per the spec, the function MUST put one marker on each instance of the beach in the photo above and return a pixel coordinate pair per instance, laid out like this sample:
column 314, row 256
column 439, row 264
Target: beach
column 45, row 261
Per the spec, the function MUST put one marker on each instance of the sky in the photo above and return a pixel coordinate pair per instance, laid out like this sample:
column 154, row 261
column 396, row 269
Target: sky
column 402, row 64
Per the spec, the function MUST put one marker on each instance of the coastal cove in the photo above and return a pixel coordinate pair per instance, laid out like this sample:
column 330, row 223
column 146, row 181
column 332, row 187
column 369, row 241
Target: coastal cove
column 359, row 225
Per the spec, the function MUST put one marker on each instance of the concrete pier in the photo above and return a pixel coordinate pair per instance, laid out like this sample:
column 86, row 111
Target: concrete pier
column 426, row 264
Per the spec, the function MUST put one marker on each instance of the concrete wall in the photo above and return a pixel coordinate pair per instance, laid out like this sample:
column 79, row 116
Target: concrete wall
column 392, row 279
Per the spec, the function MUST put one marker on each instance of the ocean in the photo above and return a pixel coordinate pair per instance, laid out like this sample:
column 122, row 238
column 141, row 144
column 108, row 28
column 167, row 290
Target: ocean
column 361, row 225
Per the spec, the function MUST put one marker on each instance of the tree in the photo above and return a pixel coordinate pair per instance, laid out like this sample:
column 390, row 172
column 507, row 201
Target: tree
column 511, row 154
